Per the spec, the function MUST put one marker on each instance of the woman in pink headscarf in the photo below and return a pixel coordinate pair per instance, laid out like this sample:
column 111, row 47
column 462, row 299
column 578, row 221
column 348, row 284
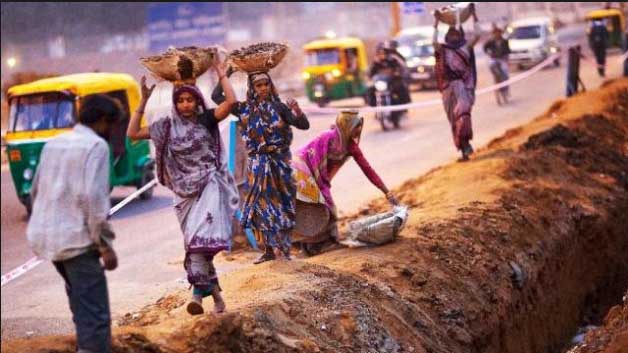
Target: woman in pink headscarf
column 318, row 162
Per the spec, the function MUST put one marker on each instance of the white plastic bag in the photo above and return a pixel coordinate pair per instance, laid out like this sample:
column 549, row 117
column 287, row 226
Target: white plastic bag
column 377, row 229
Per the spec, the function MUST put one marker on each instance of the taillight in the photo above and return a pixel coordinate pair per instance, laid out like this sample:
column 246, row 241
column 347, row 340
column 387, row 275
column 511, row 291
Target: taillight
column 15, row 155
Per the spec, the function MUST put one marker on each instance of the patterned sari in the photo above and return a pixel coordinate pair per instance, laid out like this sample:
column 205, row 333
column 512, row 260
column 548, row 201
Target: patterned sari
column 191, row 162
column 269, row 206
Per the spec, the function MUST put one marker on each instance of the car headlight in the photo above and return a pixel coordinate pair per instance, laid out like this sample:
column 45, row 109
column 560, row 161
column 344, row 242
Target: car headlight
column 381, row 85
column 306, row 75
column 421, row 69
column 336, row 73
column 28, row 174
column 431, row 61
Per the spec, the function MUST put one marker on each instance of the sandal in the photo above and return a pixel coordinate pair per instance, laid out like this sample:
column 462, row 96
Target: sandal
column 264, row 258
column 194, row 307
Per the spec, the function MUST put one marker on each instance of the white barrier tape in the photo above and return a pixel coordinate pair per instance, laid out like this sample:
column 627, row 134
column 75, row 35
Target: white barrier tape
column 34, row 262
column 17, row 272
column 427, row 103
column 521, row 76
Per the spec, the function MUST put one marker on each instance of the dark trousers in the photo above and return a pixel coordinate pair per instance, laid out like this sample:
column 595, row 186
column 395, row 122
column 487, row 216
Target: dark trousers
column 600, row 58
column 86, row 287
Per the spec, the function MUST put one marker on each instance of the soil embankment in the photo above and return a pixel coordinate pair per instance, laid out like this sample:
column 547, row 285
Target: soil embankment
column 504, row 254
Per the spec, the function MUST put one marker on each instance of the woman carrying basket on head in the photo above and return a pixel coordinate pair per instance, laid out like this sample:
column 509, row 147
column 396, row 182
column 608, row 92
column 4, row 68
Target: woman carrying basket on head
column 191, row 162
column 269, row 206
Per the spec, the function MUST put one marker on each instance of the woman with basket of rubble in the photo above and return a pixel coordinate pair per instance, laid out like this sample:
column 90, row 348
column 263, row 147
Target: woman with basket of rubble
column 269, row 205
column 191, row 162
column 456, row 73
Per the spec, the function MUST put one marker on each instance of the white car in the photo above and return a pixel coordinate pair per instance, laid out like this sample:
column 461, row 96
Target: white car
column 531, row 41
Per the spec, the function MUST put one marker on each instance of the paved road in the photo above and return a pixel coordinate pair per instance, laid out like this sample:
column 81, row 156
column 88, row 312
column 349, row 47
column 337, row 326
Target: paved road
column 149, row 243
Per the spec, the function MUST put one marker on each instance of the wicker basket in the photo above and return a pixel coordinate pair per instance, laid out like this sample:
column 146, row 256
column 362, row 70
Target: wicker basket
column 166, row 64
column 449, row 14
column 311, row 219
column 259, row 57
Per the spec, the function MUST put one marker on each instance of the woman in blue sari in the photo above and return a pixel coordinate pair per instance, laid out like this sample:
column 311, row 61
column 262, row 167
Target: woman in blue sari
column 269, row 205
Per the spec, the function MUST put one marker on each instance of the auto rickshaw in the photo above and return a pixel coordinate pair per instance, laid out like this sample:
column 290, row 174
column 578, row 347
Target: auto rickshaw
column 42, row 109
column 615, row 24
column 335, row 69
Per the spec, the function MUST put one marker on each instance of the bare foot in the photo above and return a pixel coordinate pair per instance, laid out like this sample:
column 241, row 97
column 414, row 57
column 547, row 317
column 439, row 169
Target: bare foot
column 219, row 303
column 219, row 306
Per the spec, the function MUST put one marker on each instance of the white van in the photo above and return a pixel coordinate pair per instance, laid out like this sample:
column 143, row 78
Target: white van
column 531, row 41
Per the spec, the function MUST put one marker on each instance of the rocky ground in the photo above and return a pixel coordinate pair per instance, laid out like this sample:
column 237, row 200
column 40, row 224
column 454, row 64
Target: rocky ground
column 509, row 252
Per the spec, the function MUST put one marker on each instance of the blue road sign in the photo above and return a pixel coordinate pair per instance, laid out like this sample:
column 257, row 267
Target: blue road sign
column 413, row 7
column 185, row 24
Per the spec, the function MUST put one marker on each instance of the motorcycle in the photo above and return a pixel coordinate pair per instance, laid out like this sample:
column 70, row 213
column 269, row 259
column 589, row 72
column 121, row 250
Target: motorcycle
column 384, row 96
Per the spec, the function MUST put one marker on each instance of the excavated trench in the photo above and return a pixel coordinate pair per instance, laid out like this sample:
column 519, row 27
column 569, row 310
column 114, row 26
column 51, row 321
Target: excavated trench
column 508, row 253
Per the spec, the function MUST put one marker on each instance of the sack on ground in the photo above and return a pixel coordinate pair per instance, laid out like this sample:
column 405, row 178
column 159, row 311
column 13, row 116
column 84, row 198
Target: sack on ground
column 378, row 229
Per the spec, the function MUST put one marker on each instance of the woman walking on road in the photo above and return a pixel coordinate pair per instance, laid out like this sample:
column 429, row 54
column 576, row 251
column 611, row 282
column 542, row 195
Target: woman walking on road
column 192, row 162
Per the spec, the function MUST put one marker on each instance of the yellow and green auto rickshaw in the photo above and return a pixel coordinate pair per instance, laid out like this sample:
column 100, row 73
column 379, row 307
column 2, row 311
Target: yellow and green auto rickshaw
column 615, row 24
column 42, row 109
column 335, row 69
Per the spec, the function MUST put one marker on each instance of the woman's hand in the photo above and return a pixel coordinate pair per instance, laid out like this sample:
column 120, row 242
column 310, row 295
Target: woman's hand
column 392, row 199
column 221, row 69
column 294, row 105
column 146, row 91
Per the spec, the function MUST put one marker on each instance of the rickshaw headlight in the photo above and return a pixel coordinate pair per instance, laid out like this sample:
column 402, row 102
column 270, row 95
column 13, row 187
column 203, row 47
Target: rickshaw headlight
column 28, row 174
column 306, row 75
column 336, row 73
column 381, row 85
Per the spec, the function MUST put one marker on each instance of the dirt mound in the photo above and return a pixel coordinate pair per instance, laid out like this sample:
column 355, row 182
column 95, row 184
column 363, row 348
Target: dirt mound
column 500, row 254
column 613, row 337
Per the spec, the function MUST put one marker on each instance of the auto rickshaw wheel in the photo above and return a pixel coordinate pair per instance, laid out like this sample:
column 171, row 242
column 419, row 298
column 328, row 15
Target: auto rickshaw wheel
column 147, row 177
column 28, row 204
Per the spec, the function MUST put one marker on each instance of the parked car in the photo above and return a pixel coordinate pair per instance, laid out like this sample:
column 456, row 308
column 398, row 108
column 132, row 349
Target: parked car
column 531, row 41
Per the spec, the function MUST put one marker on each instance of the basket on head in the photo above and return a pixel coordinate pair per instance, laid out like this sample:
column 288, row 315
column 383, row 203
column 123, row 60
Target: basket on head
column 456, row 14
column 260, row 57
column 181, row 64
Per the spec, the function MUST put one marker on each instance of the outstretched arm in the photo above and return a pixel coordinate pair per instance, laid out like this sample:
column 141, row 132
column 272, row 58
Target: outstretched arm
column 435, row 36
column 134, row 131
column 356, row 153
column 476, row 29
column 224, row 109
column 218, row 95
column 297, row 119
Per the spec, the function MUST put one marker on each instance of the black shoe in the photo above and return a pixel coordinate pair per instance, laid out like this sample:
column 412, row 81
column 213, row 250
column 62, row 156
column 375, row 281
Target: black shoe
column 266, row 257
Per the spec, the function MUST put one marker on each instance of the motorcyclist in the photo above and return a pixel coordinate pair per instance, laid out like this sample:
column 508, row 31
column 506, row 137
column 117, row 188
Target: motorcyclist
column 387, row 61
